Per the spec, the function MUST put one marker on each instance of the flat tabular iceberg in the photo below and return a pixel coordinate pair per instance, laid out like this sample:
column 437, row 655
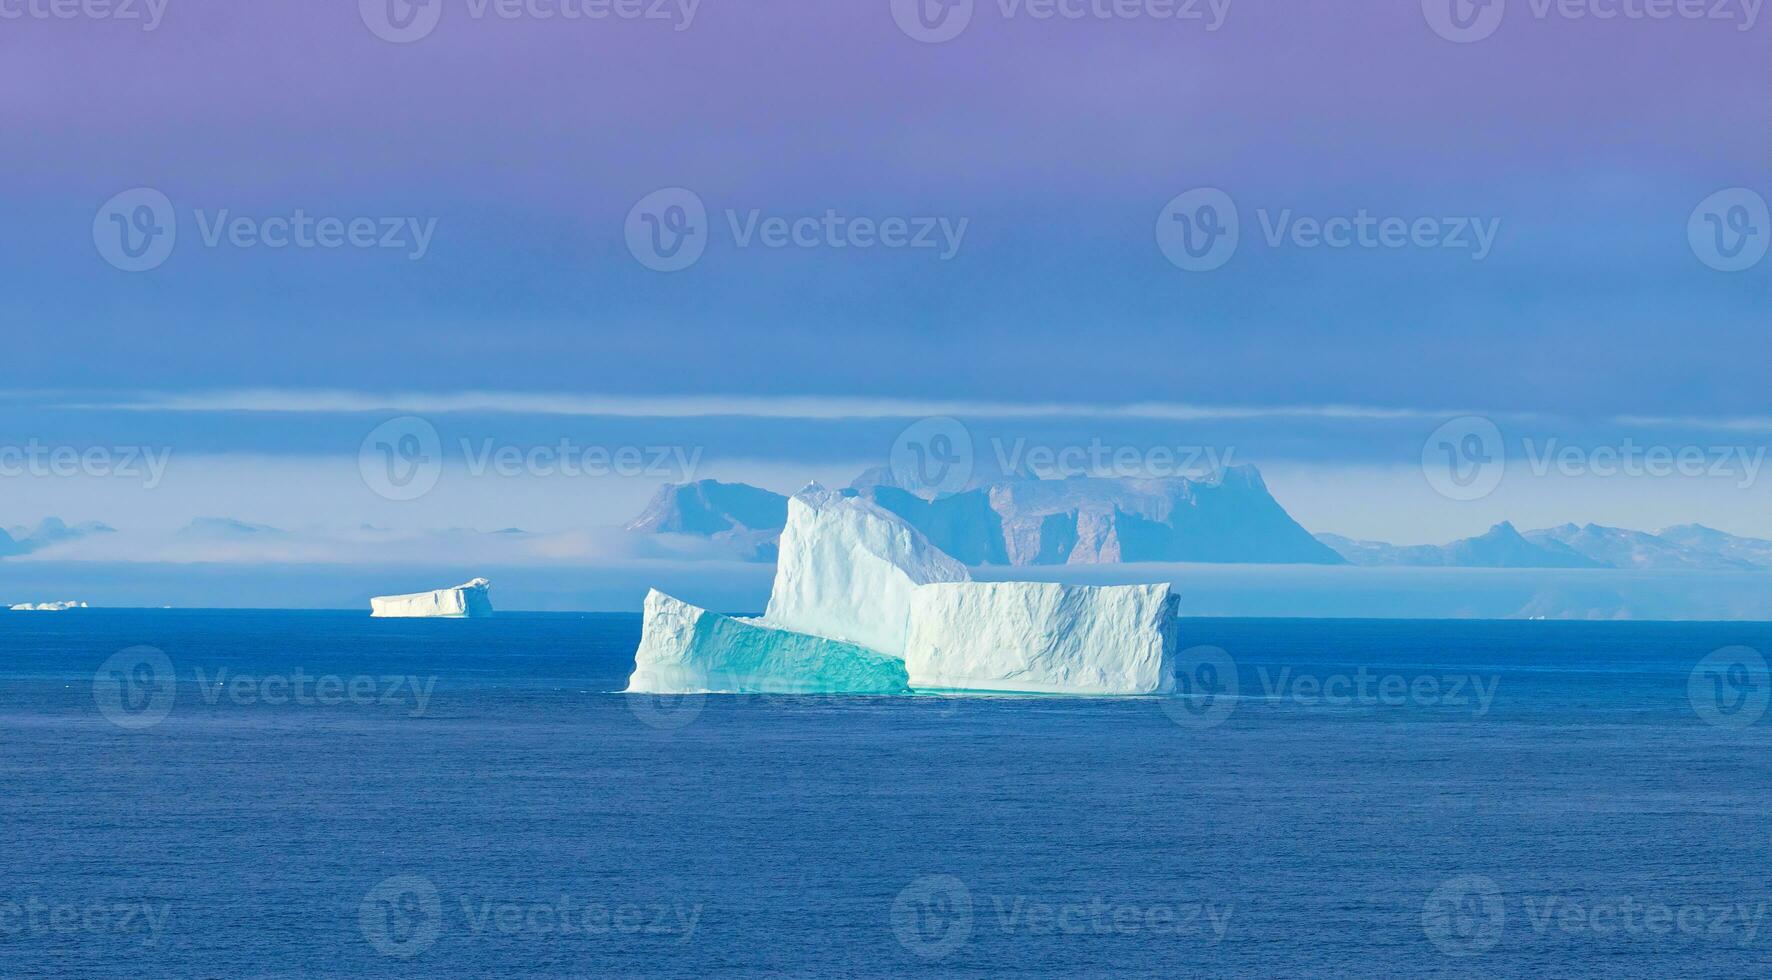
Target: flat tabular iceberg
column 470, row 600
column 47, row 606
column 1042, row 637
column 863, row 603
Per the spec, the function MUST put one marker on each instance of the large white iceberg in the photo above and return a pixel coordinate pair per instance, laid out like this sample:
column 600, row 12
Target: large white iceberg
column 470, row 600
column 863, row 603
column 685, row 649
column 847, row 569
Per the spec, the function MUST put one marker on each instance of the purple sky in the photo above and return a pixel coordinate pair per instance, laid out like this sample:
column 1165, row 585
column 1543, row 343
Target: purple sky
column 1059, row 141
column 523, row 144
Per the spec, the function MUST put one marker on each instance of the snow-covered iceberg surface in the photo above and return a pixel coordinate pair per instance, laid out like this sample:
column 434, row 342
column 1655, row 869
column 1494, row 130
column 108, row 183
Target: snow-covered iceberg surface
column 847, row 569
column 1042, row 637
column 465, row 601
column 47, row 606
column 684, row 649
column 863, row 603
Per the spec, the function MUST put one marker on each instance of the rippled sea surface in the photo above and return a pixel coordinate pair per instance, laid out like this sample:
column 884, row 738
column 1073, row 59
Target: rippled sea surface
column 299, row 794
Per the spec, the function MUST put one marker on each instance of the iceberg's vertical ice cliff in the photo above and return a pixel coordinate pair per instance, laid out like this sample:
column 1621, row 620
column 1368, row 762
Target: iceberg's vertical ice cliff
column 686, row 649
column 847, row 569
column 470, row 600
column 863, row 603
column 1043, row 637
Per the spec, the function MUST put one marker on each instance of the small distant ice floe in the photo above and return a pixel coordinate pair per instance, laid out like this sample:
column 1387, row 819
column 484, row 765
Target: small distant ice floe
column 470, row 600
column 47, row 606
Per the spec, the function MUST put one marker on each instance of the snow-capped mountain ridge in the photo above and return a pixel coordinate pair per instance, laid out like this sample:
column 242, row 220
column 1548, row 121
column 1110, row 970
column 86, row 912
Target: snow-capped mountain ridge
column 1686, row 546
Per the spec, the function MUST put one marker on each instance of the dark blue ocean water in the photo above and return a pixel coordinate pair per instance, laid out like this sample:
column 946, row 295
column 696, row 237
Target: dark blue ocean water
column 1478, row 799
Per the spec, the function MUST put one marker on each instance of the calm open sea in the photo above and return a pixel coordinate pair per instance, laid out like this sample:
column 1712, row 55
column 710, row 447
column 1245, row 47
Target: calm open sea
column 302, row 794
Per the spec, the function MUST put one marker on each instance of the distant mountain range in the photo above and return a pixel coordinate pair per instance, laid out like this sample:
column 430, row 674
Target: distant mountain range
column 1231, row 518
column 748, row 518
column 999, row 521
column 20, row 540
column 1688, row 546
column 1028, row 521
